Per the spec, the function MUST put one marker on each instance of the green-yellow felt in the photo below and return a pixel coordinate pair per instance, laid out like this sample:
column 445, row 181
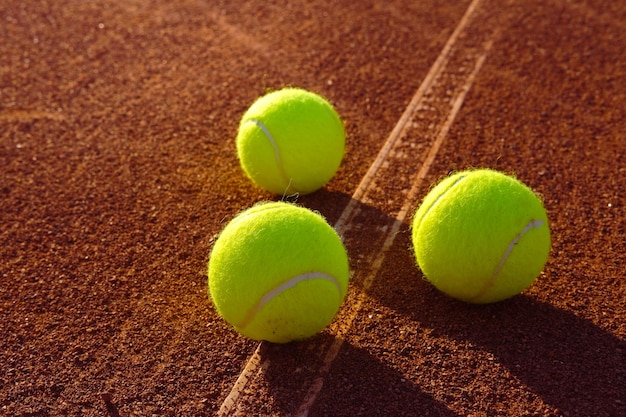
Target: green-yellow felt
column 278, row 272
column 290, row 141
column 481, row 236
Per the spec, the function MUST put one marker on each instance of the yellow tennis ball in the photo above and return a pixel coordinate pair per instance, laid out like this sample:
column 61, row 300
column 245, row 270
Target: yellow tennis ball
column 481, row 236
column 278, row 272
column 290, row 141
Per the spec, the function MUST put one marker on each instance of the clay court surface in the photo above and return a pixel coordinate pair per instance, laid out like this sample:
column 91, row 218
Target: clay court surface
column 118, row 170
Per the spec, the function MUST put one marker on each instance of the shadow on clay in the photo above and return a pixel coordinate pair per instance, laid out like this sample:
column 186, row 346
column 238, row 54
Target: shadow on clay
column 568, row 361
column 358, row 383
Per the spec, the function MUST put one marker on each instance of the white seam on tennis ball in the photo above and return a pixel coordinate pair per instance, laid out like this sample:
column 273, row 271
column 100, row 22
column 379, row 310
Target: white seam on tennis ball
column 282, row 288
column 269, row 137
column 272, row 141
column 533, row 224
column 462, row 177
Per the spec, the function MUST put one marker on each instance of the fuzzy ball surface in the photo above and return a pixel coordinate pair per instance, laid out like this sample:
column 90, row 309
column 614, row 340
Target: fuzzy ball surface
column 278, row 272
column 481, row 236
column 290, row 141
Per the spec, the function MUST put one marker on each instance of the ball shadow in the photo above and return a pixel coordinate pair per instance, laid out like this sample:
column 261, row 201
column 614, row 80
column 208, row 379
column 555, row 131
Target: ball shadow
column 329, row 203
column 571, row 363
column 357, row 383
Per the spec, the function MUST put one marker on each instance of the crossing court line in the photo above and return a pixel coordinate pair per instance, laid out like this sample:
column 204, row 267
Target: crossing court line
column 416, row 139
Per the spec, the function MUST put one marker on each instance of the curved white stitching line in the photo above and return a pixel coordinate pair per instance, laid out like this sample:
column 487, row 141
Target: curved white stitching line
column 462, row 177
column 269, row 136
column 283, row 287
column 439, row 197
column 533, row 224
column 272, row 142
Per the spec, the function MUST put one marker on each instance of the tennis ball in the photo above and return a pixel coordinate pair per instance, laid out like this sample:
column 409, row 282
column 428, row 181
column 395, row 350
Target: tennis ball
column 278, row 272
column 481, row 236
column 290, row 141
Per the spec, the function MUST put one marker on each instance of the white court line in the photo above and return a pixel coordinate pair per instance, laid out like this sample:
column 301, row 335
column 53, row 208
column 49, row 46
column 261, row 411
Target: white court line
column 255, row 364
column 407, row 116
column 346, row 324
